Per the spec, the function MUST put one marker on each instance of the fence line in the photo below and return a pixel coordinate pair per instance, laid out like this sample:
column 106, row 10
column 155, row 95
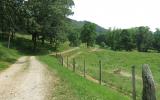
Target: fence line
column 133, row 83
column 84, row 69
column 74, row 65
column 100, row 72
column 148, row 93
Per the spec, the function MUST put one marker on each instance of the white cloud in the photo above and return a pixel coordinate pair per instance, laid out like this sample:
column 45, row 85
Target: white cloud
column 119, row 13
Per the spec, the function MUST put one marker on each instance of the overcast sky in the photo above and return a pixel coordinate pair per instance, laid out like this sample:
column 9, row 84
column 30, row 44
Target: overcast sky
column 118, row 13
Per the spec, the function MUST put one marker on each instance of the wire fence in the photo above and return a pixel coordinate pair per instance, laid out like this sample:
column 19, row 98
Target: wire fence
column 100, row 76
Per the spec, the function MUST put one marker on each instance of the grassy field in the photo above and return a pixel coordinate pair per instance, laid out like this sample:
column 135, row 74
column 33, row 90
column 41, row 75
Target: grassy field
column 116, row 67
column 76, row 87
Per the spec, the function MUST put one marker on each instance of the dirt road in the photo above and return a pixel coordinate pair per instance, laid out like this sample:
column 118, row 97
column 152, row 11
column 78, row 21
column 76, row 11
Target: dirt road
column 66, row 51
column 27, row 79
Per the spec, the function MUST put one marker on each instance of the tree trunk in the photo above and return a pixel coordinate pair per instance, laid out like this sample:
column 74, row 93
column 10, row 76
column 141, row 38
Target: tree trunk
column 148, row 84
column 133, row 83
column 34, row 38
column 12, row 35
column 43, row 38
column 51, row 40
column 9, row 39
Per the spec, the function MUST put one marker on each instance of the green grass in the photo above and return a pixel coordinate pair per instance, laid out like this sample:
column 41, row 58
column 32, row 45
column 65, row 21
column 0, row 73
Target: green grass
column 64, row 46
column 80, row 88
column 117, row 60
column 7, row 56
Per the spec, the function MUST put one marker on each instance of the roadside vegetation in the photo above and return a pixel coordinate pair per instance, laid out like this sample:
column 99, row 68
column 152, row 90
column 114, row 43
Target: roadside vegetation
column 81, row 88
column 7, row 56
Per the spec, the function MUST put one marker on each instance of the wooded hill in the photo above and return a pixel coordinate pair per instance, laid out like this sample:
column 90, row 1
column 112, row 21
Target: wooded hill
column 79, row 24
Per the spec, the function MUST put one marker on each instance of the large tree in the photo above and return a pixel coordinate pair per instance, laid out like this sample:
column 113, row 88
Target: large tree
column 46, row 19
column 125, row 40
column 88, row 34
column 101, row 40
column 11, row 15
column 144, row 39
column 156, row 43
column 74, row 38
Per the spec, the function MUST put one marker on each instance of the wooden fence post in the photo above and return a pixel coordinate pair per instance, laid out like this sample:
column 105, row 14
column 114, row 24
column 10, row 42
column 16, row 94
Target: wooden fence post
column 149, row 92
column 67, row 62
column 84, row 71
column 62, row 60
column 74, row 64
column 56, row 54
column 133, row 83
column 100, row 72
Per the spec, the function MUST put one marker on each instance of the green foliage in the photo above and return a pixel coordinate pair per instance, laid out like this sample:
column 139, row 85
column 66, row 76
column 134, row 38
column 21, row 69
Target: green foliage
column 7, row 56
column 102, row 40
column 88, row 34
column 113, row 39
column 47, row 19
column 144, row 39
column 74, row 39
column 156, row 43
column 125, row 40
column 44, row 19
column 11, row 15
column 140, row 38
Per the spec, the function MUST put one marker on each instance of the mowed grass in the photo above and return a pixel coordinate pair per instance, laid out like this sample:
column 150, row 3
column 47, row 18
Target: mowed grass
column 78, row 88
column 7, row 56
column 116, row 67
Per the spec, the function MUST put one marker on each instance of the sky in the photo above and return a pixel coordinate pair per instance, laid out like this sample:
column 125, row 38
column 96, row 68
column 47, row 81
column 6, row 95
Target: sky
column 118, row 13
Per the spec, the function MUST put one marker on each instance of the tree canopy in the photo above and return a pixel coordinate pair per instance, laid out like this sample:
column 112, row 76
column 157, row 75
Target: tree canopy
column 140, row 38
column 88, row 34
column 44, row 19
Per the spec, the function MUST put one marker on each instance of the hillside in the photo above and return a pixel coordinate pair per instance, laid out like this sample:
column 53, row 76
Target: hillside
column 79, row 24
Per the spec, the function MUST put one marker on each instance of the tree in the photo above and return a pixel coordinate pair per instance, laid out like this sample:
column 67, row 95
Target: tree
column 115, row 42
column 46, row 20
column 88, row 34
column 74, row 39
column 10, row 15
column 101, row 40
column 125, row 40
column 144, row 39
column 156, row 43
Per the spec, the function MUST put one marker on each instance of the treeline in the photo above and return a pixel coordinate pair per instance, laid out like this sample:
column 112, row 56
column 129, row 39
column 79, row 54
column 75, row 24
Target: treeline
column 45, row 20
column 86, row 34
column 140, row 38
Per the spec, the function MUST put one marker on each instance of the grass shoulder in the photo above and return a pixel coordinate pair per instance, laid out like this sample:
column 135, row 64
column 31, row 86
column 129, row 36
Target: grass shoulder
column 81, row 88
column 7, row 56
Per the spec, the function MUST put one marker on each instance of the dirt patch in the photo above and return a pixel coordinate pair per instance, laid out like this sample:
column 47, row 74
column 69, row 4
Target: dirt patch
column 74, row 55
column 96, row 50
column 66, row 51
column 124, row 74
